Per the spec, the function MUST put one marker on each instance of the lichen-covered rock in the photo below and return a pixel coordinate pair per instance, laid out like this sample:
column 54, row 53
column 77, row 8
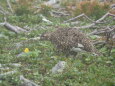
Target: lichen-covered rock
column 66, row 38
column 59, row 67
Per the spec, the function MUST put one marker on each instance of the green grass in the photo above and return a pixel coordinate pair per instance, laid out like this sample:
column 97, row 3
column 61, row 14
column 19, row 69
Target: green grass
column 37, row 64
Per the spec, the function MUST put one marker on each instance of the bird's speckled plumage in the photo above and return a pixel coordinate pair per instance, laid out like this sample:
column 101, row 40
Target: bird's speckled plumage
column 66, row 38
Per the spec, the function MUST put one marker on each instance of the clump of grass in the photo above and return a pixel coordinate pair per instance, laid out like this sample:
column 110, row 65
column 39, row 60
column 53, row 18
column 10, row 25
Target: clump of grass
column 24, row 7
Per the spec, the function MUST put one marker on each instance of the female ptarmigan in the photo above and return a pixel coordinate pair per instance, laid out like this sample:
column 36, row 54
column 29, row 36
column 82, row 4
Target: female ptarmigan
column 69, row 39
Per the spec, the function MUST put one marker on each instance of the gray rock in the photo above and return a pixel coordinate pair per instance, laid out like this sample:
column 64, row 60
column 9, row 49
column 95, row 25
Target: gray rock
column 59, row 67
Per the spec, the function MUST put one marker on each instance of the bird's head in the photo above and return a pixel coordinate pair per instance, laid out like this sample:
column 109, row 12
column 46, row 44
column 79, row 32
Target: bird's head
column 45, row 36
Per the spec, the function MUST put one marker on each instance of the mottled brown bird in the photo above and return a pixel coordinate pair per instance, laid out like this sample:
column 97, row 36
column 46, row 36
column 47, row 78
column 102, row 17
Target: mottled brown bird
column 65, row 39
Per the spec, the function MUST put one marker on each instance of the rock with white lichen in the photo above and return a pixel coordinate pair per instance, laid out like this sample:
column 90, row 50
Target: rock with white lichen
column 59, row 67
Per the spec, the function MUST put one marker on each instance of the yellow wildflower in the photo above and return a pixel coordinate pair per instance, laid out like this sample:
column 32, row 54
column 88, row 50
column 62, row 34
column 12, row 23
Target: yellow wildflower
column 26, row 50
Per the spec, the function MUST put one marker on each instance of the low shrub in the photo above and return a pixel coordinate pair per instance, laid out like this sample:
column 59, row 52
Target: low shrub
column 45, row 10
column 25, row 18
column 91, row 8
column 21, row 10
